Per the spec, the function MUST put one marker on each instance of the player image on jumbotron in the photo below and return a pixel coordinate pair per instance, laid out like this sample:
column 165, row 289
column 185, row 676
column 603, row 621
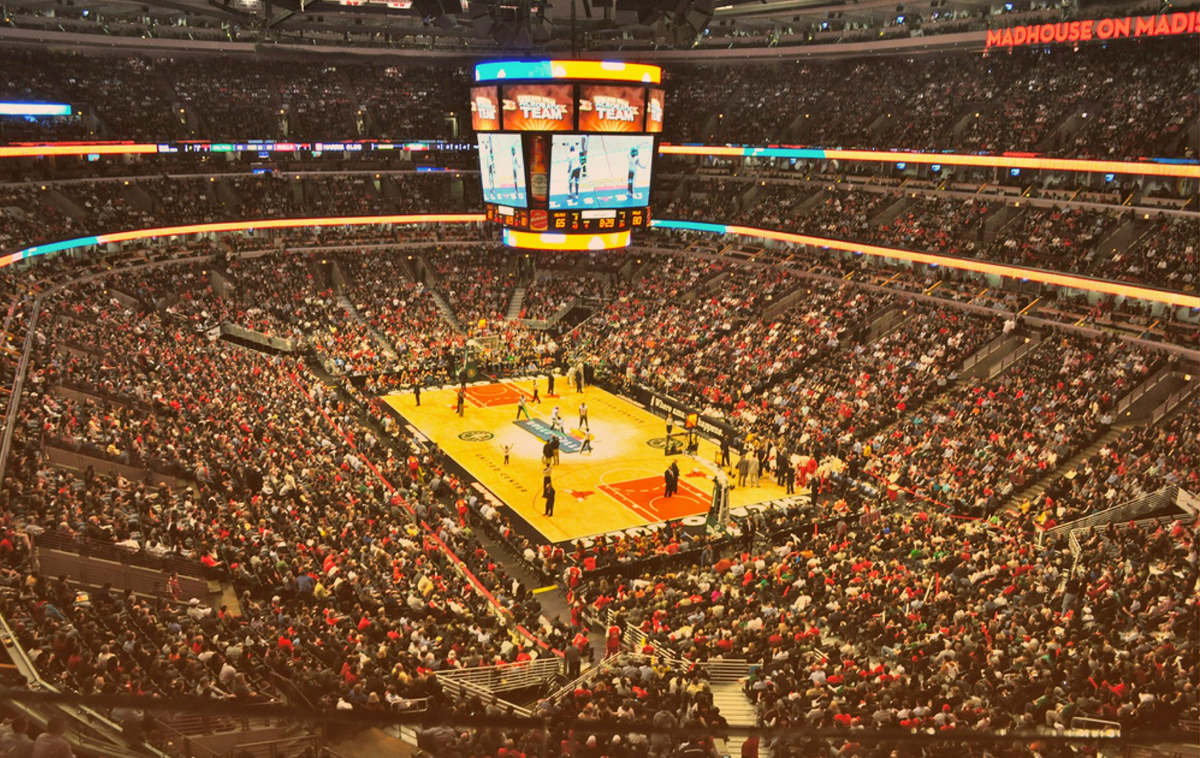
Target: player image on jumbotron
column 600, row 171
column 502, row 169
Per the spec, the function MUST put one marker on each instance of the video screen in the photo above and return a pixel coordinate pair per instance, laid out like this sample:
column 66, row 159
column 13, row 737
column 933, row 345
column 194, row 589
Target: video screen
column 485, row 109
column 539, row 108
column 610, row 109
column 502, row 169
column 654, row 111
column 600, row 171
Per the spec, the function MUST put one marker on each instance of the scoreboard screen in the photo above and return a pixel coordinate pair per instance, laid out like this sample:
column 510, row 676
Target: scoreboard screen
column 603, row 220
column 566, row 149
column 604, row 108
column 654, row 110
column 485, row 109
column 538, row 107
column 600, row 171
column 502, row 169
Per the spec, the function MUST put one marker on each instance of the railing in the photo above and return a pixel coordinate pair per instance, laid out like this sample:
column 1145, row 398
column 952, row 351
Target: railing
column 280, row 748
column 1014, row 357
column 1140, row 391
column 484, row 682
column 91, row 548
column 513, row 676
column 14, row 399
column 1099, row 727
column 181, row 744
column 466, row 689
column 1172, row 401
column 983, row 353
column 618, row 661
column 725, row 669
column 83, row 716
column 1123, row 512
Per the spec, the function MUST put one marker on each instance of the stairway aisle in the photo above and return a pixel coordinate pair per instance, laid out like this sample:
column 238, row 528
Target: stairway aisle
column 1033, row 492
column 516, row 303
column 383, row 342
column 737, row 709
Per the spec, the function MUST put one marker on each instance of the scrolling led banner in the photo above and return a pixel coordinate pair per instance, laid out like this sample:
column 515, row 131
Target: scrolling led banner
column 1165, row 25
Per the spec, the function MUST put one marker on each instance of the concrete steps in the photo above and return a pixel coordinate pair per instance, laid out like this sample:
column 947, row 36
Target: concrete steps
column 383, row 342
column 737, row 709
column 516, row 303
column 1012, row 508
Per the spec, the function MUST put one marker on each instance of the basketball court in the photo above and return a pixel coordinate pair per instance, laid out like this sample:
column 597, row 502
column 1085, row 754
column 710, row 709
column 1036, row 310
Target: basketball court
column 618, row 485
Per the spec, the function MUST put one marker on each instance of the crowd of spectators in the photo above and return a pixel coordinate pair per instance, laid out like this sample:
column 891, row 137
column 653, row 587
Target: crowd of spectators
column 346, row 590
column 402, row 310
column 553, row 290
column 1157, row 250
column 921, row 621
column 711, row 348
column 1081, row 103
column 478, row 282
column 989, row 438
column 1062, row 238
column 1141, row 461
column 114, row 97
column 1090, row 102
column 344, row 586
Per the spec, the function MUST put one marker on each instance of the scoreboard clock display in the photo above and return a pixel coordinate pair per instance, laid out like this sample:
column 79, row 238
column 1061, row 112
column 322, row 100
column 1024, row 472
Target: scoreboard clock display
column 567, row 147
column 607, row 220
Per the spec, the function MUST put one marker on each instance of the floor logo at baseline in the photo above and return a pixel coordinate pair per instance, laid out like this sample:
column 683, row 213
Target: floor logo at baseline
column 476, row 436
column 540, row 429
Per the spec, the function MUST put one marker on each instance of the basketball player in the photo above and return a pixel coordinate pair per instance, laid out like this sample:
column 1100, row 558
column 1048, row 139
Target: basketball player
column 634, row 164
column 516, row 181
column 583, row 419
column 491, row 164
column 574, row 171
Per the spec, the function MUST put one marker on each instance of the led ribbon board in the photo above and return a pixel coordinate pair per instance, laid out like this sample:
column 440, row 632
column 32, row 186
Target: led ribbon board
column 611, row 71
column 1185, row 168
column 1182, row 167
column 582, row 242
column 11, row 108
column 238, row 226
column 963, row 264
column 575, row 242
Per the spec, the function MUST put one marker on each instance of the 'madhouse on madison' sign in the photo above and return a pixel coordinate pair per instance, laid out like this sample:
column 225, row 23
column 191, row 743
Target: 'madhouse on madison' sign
column 1165, row 25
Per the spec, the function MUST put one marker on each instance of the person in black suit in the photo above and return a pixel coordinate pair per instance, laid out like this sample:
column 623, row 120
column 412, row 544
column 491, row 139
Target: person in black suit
column 549, row 495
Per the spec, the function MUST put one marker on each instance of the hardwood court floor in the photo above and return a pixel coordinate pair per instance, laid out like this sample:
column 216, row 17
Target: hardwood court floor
column 617, row 486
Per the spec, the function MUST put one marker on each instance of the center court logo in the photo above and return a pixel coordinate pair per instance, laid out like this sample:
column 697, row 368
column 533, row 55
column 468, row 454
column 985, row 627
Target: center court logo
column 476, row 436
